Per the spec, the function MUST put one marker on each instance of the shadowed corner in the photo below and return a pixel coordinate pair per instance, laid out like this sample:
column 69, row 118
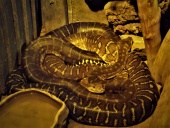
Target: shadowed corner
column 96, row 5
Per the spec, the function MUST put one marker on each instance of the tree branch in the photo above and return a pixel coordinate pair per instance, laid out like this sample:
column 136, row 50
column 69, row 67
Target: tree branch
column 150, row 15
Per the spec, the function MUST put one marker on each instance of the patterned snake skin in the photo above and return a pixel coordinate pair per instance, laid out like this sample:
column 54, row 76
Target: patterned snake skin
column 53, row 64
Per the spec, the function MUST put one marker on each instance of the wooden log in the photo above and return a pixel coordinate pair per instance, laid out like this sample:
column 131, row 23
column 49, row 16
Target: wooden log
column 158, row 59
column 161, row 116
column 160, row 69
column 150, row 14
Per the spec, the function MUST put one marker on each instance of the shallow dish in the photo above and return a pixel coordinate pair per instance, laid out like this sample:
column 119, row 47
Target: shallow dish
column 32, row 108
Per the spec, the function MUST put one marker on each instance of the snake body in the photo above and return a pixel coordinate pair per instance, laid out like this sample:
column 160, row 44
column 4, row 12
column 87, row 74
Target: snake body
column 53, row 64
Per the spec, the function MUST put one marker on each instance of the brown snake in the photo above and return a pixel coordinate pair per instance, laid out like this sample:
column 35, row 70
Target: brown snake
column 53, row 64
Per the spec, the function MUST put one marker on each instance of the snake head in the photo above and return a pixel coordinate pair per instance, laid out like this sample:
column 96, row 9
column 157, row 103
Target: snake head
column 95, row 86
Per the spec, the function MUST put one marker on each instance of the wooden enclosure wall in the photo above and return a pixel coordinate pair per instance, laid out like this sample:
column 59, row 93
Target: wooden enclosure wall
column 18, row 21
column 56, row 13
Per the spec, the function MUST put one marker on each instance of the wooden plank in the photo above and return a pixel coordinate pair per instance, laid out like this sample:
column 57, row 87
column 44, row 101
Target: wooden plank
column 17, row 7
column 8, row 43
column 3, row 55
column 8, row 32
column 27, row 20
column 34, row 19
column 54, row 14
column 16, row 28
column 79, row 11
column 38, row 16
column 17, row 23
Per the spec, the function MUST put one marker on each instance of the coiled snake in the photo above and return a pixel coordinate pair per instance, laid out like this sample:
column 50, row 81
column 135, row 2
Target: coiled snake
column 128, row 93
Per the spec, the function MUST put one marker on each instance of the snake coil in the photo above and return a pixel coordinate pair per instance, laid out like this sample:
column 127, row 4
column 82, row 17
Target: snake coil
column 53, row 64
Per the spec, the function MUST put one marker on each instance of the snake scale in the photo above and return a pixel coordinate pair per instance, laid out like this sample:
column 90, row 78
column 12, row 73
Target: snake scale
column 53, row 64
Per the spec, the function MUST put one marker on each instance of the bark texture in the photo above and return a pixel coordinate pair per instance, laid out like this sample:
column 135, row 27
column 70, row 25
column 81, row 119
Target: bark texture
column 150, row 14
